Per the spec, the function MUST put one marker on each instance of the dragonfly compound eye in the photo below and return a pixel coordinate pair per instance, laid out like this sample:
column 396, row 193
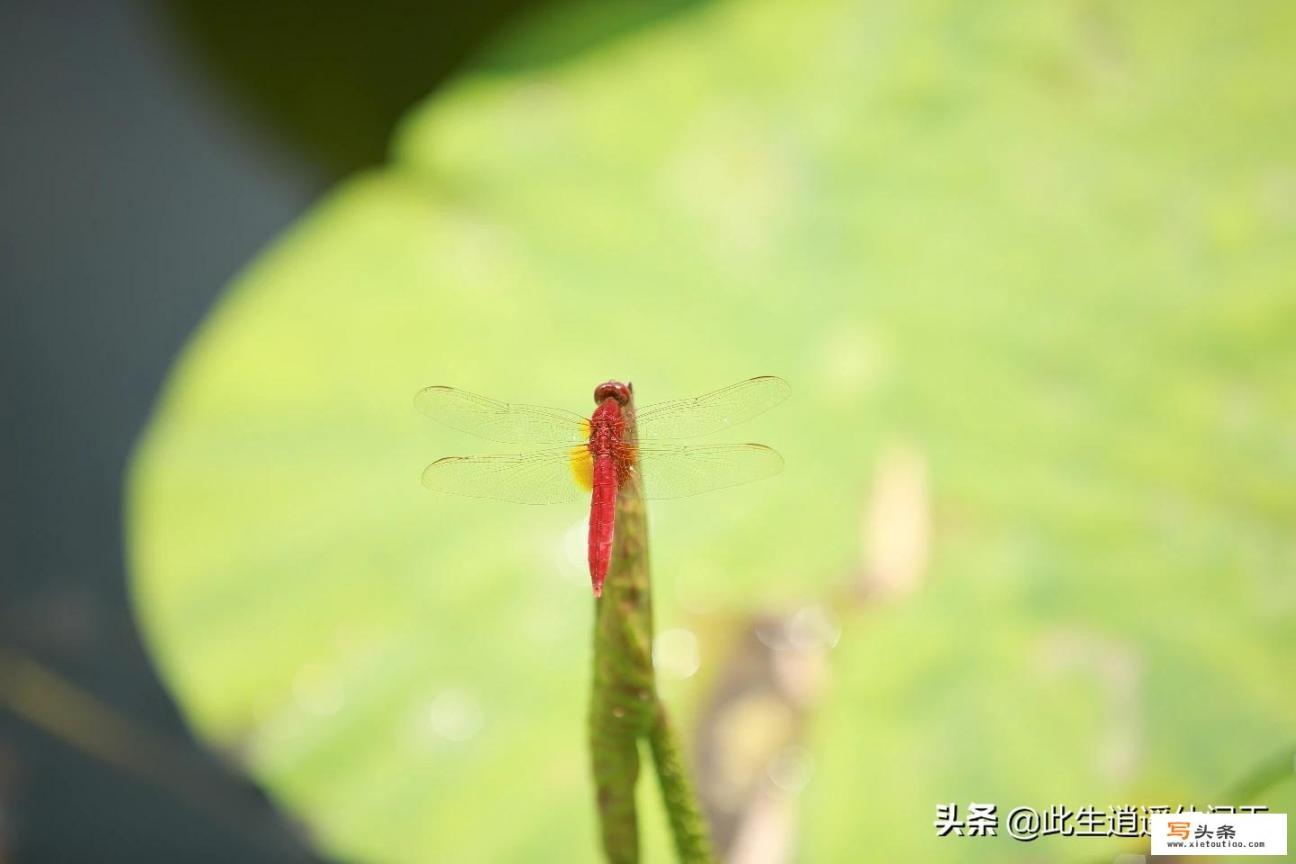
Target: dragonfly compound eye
column 615, row 389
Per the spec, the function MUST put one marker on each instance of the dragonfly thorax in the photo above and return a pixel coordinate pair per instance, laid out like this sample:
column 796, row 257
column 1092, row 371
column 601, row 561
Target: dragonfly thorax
column 607, row 428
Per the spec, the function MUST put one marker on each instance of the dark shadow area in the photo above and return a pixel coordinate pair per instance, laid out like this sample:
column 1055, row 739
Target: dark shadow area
column 128, row 201
column 331, row 79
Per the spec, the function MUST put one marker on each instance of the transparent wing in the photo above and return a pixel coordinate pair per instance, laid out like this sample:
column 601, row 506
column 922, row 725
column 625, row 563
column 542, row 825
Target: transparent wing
column 500, row 421
column 702, row 415
column 680, row 471
column 540, row 477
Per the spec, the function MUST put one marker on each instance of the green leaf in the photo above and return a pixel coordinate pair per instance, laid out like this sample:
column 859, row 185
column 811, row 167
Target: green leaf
column 1046, row 247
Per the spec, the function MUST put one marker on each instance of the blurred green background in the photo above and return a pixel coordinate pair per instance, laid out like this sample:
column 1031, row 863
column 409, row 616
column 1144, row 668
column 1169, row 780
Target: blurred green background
column 1029, row 270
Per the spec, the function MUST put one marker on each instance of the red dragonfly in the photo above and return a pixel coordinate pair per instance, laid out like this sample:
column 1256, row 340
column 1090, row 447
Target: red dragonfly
column 599, row 454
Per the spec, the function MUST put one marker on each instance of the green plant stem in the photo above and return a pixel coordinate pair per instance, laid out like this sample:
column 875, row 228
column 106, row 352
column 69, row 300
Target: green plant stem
column 625, row 708
column 688, row 825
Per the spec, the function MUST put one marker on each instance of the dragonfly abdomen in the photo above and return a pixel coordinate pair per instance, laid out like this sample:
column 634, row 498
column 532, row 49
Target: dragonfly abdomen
column 602, row 519
column 606, row 428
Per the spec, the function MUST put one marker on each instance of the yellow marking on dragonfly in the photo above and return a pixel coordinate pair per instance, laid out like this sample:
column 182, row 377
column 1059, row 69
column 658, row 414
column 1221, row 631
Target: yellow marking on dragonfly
column 582, row 463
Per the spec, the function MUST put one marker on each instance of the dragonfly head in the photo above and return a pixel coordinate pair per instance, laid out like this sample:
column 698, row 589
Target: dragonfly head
column 614, row 389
